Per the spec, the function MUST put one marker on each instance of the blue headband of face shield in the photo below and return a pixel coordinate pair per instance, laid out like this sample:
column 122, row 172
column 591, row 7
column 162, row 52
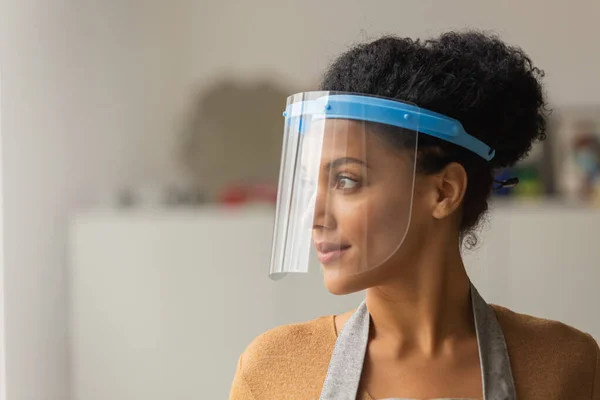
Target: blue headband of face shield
column 390, row 112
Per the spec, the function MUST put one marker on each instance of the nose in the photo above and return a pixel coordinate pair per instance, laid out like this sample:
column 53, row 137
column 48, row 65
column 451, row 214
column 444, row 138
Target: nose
column 324, row 212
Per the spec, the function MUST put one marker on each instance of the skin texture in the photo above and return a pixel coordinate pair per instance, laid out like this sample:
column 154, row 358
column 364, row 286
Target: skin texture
column 363, row 202
column 423, row 342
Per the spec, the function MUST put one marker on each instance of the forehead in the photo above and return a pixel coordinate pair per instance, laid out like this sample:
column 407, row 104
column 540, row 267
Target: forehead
column 335, row 138
column 326, row 141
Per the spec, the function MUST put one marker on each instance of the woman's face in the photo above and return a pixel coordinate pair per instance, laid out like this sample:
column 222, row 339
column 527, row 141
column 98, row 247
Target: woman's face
column 363, row 204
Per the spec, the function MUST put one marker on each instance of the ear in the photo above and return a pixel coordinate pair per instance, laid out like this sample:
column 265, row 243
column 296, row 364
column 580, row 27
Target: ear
column 451, row 188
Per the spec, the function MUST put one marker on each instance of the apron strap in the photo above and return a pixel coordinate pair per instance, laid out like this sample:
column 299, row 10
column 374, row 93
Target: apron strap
column 345, row 368
column 497, row 378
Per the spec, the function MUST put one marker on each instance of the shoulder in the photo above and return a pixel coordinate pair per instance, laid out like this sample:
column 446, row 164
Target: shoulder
column 544, row 331
column 289, row 358
column 544, row 352
column 289, row 340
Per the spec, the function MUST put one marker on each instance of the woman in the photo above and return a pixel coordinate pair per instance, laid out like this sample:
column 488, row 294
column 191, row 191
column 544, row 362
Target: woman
column 392, row 166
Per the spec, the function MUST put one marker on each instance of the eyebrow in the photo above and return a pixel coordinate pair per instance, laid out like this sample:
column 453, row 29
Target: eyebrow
column 344, row 160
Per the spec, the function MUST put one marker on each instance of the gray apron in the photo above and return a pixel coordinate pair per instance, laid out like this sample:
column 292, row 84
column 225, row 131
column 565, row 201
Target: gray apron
column 345, row 368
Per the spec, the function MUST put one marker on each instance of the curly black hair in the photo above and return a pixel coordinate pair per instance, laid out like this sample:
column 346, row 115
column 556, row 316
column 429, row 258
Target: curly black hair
column 492, row 88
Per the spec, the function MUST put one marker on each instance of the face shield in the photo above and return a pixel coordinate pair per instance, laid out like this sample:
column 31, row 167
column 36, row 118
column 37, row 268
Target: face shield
column 346, row 179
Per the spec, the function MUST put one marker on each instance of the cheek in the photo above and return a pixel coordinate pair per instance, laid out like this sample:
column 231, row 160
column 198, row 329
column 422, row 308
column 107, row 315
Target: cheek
column 390, row 206
column 352, row 219
column 376, row 223
column 389, row 219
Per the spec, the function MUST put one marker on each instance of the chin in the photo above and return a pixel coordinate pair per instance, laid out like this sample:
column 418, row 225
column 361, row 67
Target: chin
column 339, row 283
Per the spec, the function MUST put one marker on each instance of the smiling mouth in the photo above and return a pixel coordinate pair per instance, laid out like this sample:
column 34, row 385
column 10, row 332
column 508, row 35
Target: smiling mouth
column 330, row 252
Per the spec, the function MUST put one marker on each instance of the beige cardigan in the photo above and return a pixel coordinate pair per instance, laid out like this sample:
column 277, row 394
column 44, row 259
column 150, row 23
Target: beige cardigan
column 549, row 360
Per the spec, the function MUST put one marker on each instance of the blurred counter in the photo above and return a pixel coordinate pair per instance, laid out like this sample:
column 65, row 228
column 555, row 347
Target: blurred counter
column 162, row 303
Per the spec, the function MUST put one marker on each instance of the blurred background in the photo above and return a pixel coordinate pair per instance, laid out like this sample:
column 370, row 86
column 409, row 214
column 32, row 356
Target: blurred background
column 140, row 143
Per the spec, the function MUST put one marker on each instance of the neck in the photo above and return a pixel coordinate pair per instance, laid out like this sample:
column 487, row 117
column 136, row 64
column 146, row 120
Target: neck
column 425, row 309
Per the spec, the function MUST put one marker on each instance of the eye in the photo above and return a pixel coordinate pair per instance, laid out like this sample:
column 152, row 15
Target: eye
column 343, row 182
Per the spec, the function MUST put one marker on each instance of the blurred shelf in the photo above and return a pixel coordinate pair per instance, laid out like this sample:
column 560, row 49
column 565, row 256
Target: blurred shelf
column 221, row 211
column 540, row 205
column 163, row 301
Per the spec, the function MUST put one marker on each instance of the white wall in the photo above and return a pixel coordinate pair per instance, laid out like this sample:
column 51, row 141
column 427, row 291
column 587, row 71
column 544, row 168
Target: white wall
column 87, row 102
column 2, row 329
column 295, row 40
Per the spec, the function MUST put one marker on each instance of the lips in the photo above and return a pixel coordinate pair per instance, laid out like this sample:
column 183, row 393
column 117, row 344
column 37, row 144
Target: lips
column 330, row 252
